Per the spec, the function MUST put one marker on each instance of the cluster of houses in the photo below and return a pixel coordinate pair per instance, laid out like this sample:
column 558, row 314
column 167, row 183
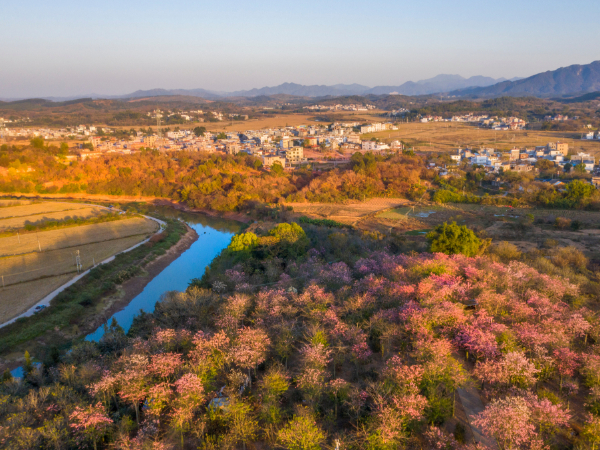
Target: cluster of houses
column 338, row 107
column 524, row 160
column 559, row 118
column 592, row 135
column 494, row 123
column 289, row 146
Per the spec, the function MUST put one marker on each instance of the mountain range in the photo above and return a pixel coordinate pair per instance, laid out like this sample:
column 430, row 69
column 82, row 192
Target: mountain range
column 563, row 82
column 575, row 80
column 439, row 83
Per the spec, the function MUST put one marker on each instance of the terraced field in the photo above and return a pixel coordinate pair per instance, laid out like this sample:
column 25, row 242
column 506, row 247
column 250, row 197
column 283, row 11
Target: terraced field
column 34, row 264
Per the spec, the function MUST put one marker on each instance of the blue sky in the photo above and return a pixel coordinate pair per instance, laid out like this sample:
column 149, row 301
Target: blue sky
column 65, row 47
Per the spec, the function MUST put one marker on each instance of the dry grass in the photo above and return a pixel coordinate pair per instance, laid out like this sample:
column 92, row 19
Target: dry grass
column 445, row 136
column 17, row 269
column 39, row 208
column 13, row 223
column 75, row 236
column 30, row 277
column 16, row 299
column 348, row 213
column 5, row 203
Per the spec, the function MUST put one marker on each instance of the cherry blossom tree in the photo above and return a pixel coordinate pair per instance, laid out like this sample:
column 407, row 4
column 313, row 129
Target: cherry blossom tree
column 566, row 361
column 90, row 423
column 251, row 348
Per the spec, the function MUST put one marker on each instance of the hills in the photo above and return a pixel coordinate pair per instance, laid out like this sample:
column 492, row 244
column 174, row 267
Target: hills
column 566, row 81
column 439, row 83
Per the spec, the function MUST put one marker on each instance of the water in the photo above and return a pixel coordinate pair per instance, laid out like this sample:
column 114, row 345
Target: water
column 213, row 236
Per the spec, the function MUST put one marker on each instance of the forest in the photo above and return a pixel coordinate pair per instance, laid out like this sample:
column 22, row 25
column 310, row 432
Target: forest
column 239, row 183
column 312, row 337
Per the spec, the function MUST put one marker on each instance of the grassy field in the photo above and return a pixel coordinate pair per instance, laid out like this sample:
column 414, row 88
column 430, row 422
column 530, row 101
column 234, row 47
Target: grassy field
column 348, row 213
column 498, row 223
column 18, row 298
column 74, row 236
column 82, row 307
column 445, row 136
column 14, row 223
column 29, row 274
column 33, row 209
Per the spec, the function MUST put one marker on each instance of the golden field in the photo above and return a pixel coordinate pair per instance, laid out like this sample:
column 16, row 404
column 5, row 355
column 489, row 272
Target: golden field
column 447, row 136
column 13, row 223
column 30, row 274
column 32, row 209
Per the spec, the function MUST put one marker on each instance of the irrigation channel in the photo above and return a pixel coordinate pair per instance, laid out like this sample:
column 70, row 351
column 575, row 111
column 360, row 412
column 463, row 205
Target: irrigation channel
column 213, row 236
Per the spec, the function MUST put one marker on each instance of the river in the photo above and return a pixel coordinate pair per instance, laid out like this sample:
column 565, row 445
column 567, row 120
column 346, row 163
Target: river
column 214, row 235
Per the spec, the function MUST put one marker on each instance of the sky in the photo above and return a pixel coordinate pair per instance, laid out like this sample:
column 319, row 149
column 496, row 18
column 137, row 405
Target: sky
column 110, row 47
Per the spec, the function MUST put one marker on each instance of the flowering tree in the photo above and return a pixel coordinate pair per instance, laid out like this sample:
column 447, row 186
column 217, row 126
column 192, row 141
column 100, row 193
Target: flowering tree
column 251, row 347
column 513, row 369
column 508, row 421
column 90, row 423
column 517, row 421
column 566, row 362
column 190, row 392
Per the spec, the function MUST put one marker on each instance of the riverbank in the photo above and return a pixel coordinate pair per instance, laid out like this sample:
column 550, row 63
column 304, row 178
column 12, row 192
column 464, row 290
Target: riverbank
column 86, row 304
column 134, row 286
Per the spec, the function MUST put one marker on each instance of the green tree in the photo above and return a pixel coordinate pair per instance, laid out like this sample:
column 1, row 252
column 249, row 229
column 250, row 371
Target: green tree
column 453, row 239
column 578, row 190
column 277, row 168
column 579, row 168
column 301, row 433
column 199, row 131
column 28, row 366
column 243, row 242
column 221, row 135
column 37, row 142
column 64, row 149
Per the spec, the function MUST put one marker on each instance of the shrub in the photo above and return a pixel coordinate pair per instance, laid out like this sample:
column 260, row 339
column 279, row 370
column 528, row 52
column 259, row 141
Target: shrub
column 453, row 239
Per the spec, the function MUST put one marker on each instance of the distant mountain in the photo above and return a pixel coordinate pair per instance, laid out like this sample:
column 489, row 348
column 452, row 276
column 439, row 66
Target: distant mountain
column 437, row 84
column 440, row 83
column 576, row 79
column 300, row 90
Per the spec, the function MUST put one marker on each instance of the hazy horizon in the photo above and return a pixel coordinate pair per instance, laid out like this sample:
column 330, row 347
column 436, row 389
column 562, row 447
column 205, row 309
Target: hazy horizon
column 65, row 48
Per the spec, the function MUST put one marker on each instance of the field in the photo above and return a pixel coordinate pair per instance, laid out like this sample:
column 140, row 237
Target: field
column 407, row 218
column 349, row 213
column 498, row 223
column 34, row 264
column 445, row 136
column 25, row 209
column 13, row 223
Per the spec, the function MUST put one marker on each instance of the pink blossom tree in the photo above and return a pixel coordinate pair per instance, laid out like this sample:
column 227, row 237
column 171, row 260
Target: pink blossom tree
column 566, row 361
column 90, row 423
column 251, row 348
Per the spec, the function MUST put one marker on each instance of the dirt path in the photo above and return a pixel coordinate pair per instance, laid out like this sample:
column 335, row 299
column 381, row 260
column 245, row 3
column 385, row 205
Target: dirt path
column 472, row 406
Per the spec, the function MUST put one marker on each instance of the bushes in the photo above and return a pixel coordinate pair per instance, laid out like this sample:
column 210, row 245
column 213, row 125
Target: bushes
column 323, row 222
column 454, row 239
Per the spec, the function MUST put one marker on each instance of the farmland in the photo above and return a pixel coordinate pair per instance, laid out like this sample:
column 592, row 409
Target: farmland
column 17, row 222
column 445, row 136
column 34, row 264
